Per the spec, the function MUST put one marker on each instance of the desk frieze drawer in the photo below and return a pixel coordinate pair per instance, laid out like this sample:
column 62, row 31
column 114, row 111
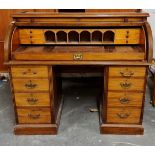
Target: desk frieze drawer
column 34, row 116
column 126, row 84
column 124, row 99
column 30, row 85
column 29, row 72
column 127, row 72
column 123, row 115
column 32, row 99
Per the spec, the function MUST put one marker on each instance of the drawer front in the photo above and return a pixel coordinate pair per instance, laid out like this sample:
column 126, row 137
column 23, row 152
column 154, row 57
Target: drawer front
column 120, row 99
column 130, row 35
column 123, row 115
column 29, row 72
column 127, row 41
column 35, row 116
column 32, row 99
column 30, row 85
column 127, row 72
column 23, row 32
column 32, row 41
column 126, row 84
column 121, row 33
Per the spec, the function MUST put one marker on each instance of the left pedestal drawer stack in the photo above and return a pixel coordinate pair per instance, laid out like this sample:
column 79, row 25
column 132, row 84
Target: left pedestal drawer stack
column 31, row 86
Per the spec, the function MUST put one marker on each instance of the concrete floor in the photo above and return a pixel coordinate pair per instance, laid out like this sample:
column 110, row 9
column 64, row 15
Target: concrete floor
column 78, row 126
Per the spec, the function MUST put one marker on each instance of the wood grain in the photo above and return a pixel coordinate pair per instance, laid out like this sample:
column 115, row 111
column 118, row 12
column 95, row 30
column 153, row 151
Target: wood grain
column 33, row 85
column 132, row 84
column 34, row 116
column 134, row 99
column 127, row 72
column 88, row 53
column 123, row 115
column 29, row 72
column 32, row 99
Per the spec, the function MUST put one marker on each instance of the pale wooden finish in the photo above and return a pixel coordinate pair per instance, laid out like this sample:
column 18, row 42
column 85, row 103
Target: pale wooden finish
column 115, row 99
column 127, row 72
column 132, row 84
column 29, row 72
column 33, row 85
column 32, row 99
column 34, row 116
column 128, row 115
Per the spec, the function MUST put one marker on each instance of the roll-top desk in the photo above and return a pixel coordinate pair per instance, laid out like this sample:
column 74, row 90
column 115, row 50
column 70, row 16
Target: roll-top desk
column 119, row 41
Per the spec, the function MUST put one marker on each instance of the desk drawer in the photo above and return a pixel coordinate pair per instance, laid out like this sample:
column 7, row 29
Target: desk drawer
column 123, row 115
column 32, row 99
column 30, row 85
column 29, row 72
column 33, row 115
column 127, row 72
column 126, row 84
column 124, row 99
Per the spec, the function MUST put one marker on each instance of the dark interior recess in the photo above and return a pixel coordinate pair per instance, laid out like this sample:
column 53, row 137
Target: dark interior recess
column 84, row 36
column 49, row 36
column 108, row 36
column 61, row 36
column 73, row 36
column 97, row 36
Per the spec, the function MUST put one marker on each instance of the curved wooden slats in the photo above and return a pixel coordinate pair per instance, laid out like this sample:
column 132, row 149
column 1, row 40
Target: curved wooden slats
column 8, row 42
column 149, row 43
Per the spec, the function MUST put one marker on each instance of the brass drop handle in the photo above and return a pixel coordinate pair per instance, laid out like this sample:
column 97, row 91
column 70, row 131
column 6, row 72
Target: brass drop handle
column 34, row 116
column 127, row 73
column 124, row 100
column 32, row 101
column 30, row 85
column 125, row 85
column 77, row 56
column 29, row 71
column 123, row 115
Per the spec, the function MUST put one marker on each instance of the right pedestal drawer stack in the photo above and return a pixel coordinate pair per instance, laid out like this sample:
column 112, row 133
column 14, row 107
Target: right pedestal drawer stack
column 126, row 89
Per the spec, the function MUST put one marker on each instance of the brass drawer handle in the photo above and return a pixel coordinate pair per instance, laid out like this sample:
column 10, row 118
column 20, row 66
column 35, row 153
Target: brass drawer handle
column 34, row 116
column 124, row 100
column 29, row 71
column 30, row 85
column 126, row 73
column 32, row 101
column 123, row 115
column 77, row 56
column 125, row 85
